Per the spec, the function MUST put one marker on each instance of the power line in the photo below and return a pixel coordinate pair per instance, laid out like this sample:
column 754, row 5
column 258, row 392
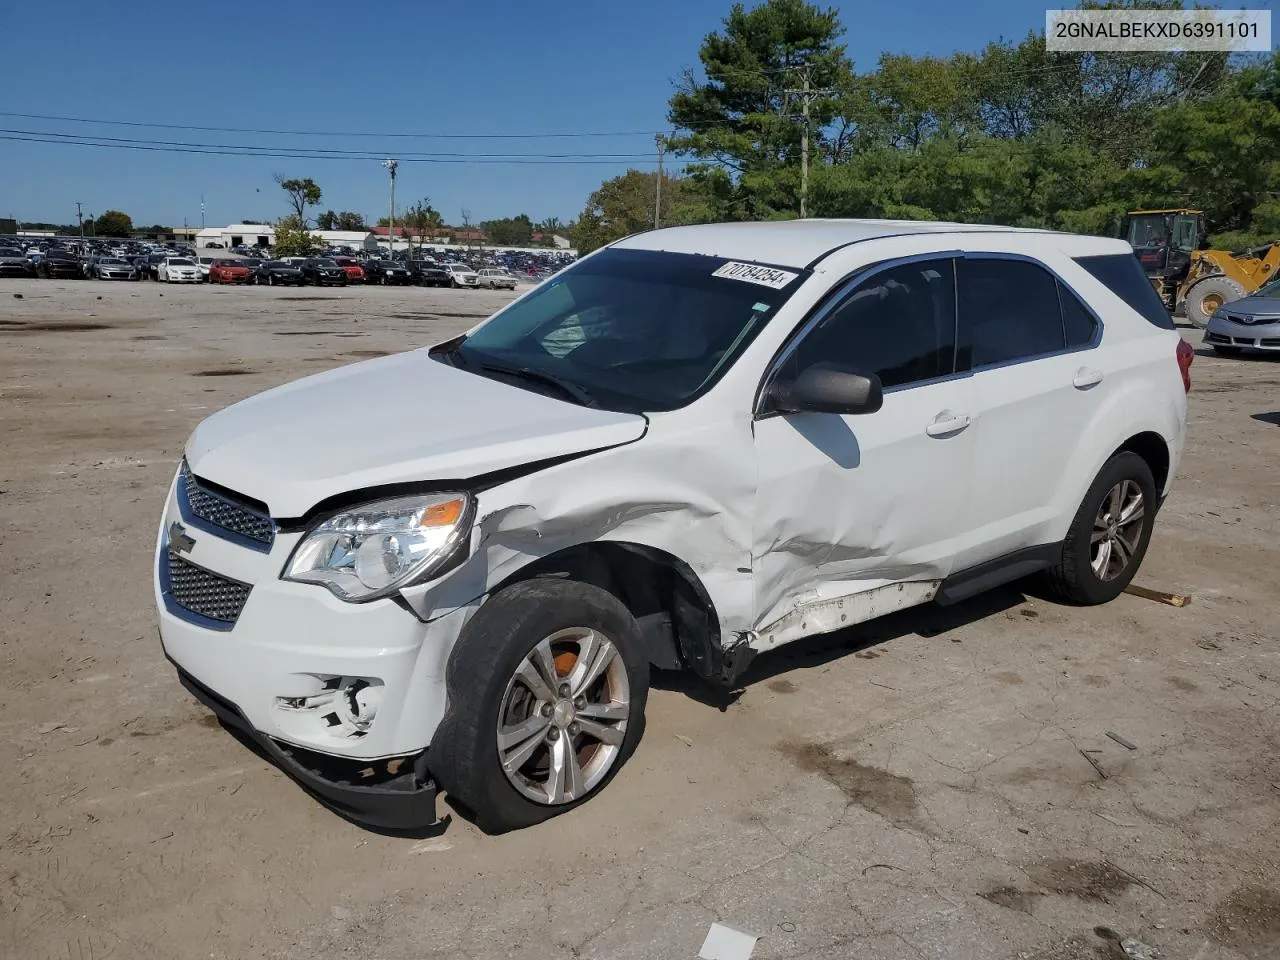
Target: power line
column 337, row 133
column 360, row 154
column 235, row 151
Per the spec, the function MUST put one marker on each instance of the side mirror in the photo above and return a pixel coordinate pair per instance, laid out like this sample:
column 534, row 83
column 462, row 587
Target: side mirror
column 828, row 388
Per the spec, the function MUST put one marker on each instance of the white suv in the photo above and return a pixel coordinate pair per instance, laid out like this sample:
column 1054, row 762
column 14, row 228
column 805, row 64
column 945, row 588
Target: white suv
column 461, row 275
column 455, row 566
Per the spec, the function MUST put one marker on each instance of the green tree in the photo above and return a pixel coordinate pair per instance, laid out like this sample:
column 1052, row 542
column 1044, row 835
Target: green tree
column 514, row 231
column 293, row 239
column 327, row 221
column 349, row 220
column 745, row 116
column 302, row 194
column 113, row 223
column 624, row 205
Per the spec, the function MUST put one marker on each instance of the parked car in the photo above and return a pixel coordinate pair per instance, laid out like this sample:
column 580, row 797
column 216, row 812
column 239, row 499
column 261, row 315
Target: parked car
column 387, row 271
column 178, row 270
column 460, row 275
column 322, row 270
column 14, row 263
column 1248, row 324
column 428, row 273
column 272, row 272
column 496, row 278
column 56, row 264
column 355, row 272
column 114, row 268
column 205, row 264
column 699, row 444
column 230, row 271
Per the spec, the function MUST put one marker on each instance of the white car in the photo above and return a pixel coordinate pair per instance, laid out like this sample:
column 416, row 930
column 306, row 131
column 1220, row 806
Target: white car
column 178, row 270
column 463, row 276
column 496, row 278
column 454, row 567
column 205, row 264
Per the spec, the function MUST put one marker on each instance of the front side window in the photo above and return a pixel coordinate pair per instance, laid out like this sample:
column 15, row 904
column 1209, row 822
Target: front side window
column 1009, row 310
column 899, row 324
column 632, row 330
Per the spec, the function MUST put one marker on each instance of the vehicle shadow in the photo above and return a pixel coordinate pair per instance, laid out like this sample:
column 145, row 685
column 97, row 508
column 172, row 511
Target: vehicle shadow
column 1272, row 418
column 927, row 620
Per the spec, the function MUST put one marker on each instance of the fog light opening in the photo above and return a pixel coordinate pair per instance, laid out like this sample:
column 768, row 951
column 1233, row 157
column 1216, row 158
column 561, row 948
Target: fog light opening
column 357, row 703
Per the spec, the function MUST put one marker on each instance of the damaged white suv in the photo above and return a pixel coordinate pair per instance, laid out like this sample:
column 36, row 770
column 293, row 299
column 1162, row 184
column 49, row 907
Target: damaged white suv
column 453, row 568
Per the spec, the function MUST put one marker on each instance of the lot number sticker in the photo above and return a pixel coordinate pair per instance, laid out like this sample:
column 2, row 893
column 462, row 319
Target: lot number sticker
column 752, row 273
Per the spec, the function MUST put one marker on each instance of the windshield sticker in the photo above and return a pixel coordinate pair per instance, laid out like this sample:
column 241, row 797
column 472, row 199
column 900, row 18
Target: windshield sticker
column 752, row 273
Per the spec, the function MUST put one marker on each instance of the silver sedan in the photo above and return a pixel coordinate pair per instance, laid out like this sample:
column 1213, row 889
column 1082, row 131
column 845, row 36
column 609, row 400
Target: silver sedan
column 1251, row 323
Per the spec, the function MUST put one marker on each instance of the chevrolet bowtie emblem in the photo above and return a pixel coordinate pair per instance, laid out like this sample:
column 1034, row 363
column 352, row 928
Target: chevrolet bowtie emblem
column 179, row 542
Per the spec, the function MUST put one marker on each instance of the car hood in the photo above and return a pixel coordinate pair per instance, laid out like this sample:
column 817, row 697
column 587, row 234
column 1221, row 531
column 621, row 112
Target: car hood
column 396, row 419
column 1254, row 307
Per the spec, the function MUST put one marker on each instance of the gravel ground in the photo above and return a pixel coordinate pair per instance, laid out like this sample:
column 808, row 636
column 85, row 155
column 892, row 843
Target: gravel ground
column 938, row 784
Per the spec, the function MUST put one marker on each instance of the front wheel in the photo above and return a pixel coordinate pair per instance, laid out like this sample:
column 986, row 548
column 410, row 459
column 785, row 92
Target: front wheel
column 1206, row 296
column 1108, row 537
column 546, row 691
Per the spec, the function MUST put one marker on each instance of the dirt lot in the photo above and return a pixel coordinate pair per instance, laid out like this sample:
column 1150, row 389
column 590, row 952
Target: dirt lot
column 936, row 785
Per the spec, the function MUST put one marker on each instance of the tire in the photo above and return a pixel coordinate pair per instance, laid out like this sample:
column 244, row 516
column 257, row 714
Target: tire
column 1075, row 579
column 482, row 686
column 1205, row 296
column 1227, row 351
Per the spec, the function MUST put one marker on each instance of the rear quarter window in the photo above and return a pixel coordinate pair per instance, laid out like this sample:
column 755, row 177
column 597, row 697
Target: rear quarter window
column 1122, row 275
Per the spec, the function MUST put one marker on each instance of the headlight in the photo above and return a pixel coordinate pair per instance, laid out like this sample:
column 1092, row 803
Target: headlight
column 375, row 549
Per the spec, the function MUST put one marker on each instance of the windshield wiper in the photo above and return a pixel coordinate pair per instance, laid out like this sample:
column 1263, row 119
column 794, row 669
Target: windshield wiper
column 571, row 390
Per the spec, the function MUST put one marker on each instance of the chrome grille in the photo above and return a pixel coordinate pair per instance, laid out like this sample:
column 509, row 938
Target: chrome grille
column 204, row 592
column 221, row 511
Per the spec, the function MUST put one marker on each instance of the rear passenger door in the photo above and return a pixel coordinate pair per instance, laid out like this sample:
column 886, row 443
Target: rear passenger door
column 1038, row 376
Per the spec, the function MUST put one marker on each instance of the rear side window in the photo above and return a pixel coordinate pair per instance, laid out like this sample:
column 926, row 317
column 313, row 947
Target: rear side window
column 1009, row 310
column 1077, row 322
column 1122, row 275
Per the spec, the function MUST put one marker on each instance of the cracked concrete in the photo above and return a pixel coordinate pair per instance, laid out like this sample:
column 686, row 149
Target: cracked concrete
column 916, row 788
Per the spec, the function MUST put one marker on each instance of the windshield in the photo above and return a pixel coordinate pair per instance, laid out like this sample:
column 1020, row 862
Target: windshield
column 637, row 330
column 1271, row 289
column 180, row 262
column 111, row 261
column 1147, row 231
column 323, row 262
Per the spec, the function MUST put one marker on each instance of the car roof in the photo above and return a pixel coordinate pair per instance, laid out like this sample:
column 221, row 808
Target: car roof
column 801, row 243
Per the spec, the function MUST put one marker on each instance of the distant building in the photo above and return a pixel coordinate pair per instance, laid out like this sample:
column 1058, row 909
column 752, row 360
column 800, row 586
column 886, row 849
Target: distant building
column 356, row 239
column 249, row 234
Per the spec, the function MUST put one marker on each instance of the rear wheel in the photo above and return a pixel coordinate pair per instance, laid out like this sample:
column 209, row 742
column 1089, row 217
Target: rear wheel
column 1207, row 295
column 546, row 690
column 1108, row 537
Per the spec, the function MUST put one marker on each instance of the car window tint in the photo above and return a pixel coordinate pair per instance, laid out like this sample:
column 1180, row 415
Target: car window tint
column 898, row 324
column 1078, row 323
column 1122, row 275
column 1008, row 311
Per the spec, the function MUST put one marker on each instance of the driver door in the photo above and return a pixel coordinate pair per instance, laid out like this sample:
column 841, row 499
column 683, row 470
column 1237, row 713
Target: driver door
column 850, row 505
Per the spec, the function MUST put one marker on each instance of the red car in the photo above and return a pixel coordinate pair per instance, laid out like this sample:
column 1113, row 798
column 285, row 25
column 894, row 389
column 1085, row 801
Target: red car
column 228, row 271
column 355, row 272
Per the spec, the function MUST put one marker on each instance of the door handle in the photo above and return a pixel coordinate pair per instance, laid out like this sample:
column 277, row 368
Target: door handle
column 947, row 423
column 1086, row 377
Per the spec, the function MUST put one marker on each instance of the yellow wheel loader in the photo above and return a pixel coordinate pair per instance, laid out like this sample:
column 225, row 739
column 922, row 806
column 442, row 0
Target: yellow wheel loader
column 1171, row 246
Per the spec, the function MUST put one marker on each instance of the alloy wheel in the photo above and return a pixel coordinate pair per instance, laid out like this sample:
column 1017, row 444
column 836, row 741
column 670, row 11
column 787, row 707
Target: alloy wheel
column 563, row 717
column 1117, row 530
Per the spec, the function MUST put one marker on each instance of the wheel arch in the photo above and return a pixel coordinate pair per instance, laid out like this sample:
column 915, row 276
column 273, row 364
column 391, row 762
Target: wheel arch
column 677, row 617
column 1152, row 448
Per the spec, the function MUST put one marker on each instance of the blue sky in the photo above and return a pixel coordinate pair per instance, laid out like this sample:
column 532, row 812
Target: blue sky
column 474, row 67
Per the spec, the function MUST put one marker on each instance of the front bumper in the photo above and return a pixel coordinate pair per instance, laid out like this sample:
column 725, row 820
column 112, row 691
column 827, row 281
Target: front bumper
column 405, row 801
column 1253, row 336
column 260, row 668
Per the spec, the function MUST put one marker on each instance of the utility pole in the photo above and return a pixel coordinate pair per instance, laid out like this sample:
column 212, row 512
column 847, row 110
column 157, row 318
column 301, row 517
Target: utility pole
column 807, row 95
column 80, row 219
column 391, row 219
column 661, row 141
column 202, row 211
